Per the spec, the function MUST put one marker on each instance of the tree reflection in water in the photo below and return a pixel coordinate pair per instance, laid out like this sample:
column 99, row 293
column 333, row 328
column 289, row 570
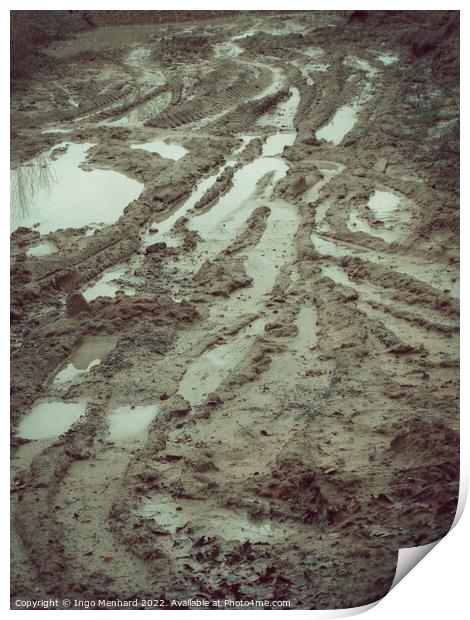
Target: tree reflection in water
column 26, row 180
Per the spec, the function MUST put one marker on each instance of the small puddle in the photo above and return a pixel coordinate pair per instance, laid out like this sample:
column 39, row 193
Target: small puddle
column 284, row 113
column 108, row 285
column 90, row 352
column 93, row 348
column 387, row 59
column 56, row 130
column 383, row 204
column 167, row 150
column 45, row 248
column 126, row 421
column 140, row 113
column 276, row 143
column 362, row 65
column 50, row 419
column 70, row 372
column 228, row 48
column 172, row 516
column 57, row 193
column 356, row 223
column 341, row 123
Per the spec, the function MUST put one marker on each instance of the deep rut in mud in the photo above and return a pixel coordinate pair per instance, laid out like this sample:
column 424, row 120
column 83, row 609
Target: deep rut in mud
column 234, row 308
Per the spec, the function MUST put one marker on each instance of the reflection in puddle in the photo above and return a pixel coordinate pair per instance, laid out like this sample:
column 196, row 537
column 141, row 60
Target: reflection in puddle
column 164, row 149
column 93, row 348
column 210, row 521
column 126, row 420
column 59, row 194
column 70, row 372
column 91, row 352
column 341, row 123
column 47, row 420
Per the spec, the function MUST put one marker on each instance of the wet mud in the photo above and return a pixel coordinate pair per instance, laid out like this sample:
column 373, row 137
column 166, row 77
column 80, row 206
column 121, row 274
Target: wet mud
column 234, row 306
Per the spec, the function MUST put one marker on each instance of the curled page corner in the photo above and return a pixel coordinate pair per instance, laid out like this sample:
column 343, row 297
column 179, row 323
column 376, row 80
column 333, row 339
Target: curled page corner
column 409, row 557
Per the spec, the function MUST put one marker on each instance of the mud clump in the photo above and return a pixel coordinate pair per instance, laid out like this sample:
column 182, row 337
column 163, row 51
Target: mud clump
column 222, row 277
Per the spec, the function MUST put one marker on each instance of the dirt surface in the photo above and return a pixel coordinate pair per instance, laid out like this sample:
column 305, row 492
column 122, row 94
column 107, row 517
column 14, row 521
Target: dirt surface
column 264, row 341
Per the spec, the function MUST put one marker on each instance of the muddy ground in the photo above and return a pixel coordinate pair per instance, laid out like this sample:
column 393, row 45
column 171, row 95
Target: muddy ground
column 258, row 351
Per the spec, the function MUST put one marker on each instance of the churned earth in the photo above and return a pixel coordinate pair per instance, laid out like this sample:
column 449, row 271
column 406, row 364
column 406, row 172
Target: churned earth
column 234, row 304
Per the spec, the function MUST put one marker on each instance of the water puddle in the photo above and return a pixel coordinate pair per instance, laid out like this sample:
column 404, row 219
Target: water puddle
column 126, row 420
column 56, row 193
column 49, row 420
column 284, row 113
column 306, row 324
column 90, row 353
column 167, row 150
column 71, row 372
column 93, row 348
column 440, row 277
column 172, row 516
column 387, row 59
column 109, row 284
column 313, row 52
column 56, row 130
column 356, row 223
column 342, row 122
column 45, row 248
column 276, row 143
column 228, row 48
column 165, row 226
column 221, row 222
column 275, row 248
column 383, row 204
column 362, row 65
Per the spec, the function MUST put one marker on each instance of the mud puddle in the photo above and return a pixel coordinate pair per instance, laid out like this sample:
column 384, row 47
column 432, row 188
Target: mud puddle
column 109, row 284
column 168, row 150
column 342, row 122
column 161, row 231
column 228, row 48
column 438, row 276
column 91, row 352
column 45, row 248
column 218, row 226
column 284, row 113
column 387, row 59
column 209, row 520
column 41, row 195
column 49, row 419
column 129, row 420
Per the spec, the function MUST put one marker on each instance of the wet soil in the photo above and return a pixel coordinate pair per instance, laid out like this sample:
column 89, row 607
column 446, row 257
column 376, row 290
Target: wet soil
column 235, row 316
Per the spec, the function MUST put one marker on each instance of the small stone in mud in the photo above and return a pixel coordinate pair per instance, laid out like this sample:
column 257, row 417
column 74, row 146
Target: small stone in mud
column 155, row 247
column 76, row 304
